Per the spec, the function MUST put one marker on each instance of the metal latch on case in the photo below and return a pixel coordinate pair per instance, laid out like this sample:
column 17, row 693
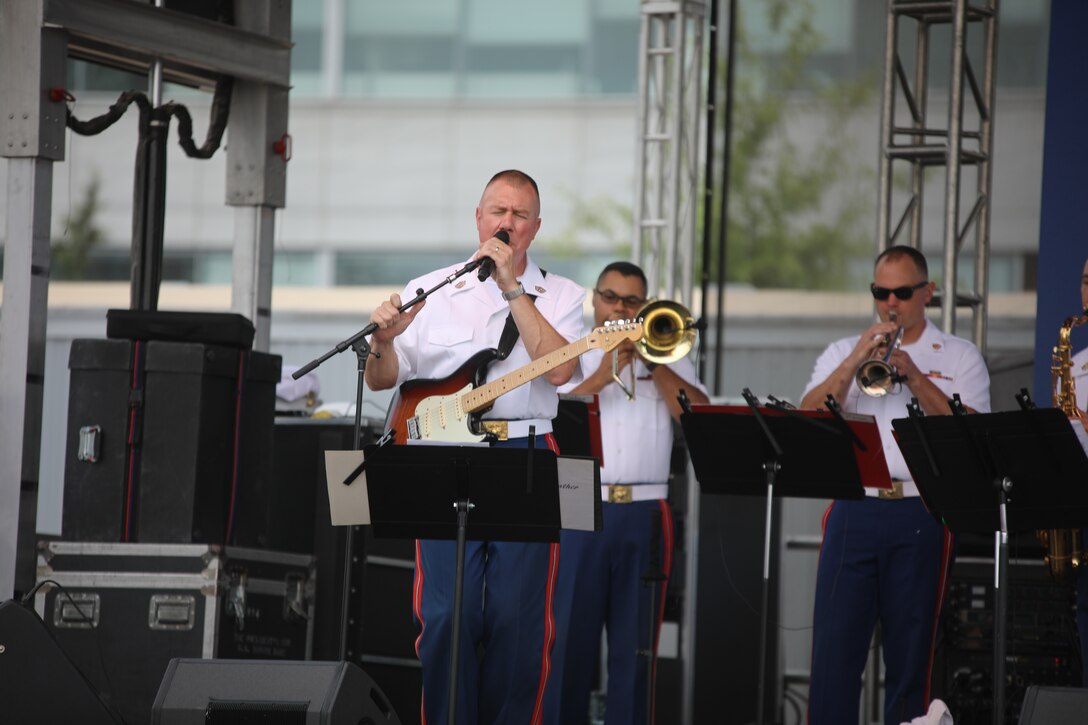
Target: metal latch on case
column 294, row 598
column 89, row 443
column 236, row 598
column 76, row 610
column 171, row 612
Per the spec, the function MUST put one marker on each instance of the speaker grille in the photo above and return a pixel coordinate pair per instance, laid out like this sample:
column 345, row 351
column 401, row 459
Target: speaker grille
column 242, row 712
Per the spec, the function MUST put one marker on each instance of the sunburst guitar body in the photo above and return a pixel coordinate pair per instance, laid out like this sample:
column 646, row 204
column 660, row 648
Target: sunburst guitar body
column 448, row 409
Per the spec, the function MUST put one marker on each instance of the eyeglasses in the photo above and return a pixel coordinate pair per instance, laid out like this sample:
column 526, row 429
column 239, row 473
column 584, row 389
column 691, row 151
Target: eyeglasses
column 612, row 298
column 903, row 293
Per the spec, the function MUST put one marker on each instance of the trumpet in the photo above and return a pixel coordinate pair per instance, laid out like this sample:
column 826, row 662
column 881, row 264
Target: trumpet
column 668, row 334
column 876, row 377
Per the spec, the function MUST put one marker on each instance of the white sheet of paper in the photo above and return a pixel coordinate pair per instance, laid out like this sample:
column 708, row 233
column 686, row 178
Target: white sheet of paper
column 1082, row 435
column 576, row 491
column 348, row 505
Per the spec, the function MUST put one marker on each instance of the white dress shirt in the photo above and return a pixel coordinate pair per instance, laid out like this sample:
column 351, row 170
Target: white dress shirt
column 468, row 316
column 636, row 435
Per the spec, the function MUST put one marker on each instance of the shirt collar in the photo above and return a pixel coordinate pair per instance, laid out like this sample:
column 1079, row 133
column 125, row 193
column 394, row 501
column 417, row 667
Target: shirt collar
column 532, row 280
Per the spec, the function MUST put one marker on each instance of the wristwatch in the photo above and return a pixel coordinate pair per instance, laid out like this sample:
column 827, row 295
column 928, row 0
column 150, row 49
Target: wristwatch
column 516, row 292
column 650, row 366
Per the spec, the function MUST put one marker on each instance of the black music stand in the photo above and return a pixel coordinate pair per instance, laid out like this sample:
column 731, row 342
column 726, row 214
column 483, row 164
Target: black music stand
column 577, row 426
column 751, row 450
column 997, row 472
column 427, row 492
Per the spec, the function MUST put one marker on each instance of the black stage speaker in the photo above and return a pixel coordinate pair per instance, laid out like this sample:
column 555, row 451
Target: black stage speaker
column 40, row 683
column 1054, row 705
column 195, row 692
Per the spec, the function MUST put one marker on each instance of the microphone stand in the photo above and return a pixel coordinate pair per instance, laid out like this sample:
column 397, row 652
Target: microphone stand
column 652, row 579
column 771, row 466
column 361, row 346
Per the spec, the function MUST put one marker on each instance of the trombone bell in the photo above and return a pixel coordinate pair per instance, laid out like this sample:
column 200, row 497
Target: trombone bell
column 668, row 334
column 668, row 331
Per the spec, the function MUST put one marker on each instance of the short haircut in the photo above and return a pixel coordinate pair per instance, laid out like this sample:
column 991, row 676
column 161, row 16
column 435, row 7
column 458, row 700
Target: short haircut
column 516, row 178
column 627, row 269
column 900, row 251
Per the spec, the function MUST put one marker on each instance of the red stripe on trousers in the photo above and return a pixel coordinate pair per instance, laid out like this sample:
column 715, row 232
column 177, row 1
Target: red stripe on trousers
column 417, row 608
column 942, row 589
column 549, row 615
column 667, row 543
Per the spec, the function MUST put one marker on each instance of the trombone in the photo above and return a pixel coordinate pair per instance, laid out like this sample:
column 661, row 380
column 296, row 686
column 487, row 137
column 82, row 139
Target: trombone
column 668, row 334
column 877, row 376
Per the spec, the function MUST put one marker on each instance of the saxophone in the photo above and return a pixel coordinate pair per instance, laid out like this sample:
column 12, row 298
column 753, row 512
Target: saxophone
column 1065, row 552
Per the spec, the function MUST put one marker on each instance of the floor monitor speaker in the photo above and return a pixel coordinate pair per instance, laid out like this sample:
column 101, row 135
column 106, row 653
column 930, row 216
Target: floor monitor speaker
column 196, row 691
column 40, row 683
column 1046, row 705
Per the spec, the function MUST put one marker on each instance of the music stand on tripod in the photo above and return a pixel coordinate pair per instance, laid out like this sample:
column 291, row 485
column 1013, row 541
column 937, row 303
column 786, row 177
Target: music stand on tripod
column 753, row 450
column 428, row 491
column 996, row 473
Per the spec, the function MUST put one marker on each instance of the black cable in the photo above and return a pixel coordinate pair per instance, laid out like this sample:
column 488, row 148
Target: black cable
column 220, row 114
column 25, row 602
column 98, row 124
column 796, row 701
column 740, row 596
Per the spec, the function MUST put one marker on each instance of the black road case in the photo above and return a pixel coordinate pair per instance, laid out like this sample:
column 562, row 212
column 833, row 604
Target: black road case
column 168, row 442
column 126, row 609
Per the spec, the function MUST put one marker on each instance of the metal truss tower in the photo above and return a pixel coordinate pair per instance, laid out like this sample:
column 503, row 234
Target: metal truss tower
column 667, row 171
column 913, row 136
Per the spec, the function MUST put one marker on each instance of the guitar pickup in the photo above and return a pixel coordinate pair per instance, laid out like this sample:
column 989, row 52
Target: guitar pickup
column 413, row 428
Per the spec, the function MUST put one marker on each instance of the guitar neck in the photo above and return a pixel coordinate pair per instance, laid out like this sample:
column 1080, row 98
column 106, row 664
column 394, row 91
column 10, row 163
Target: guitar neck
column 483, row 396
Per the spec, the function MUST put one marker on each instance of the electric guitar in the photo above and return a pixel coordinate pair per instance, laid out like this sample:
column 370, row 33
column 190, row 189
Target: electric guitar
column 448, row 409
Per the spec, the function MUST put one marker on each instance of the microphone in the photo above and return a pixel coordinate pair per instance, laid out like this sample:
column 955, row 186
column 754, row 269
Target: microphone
column 487, row 266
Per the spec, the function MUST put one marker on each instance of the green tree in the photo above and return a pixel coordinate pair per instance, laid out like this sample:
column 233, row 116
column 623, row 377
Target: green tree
column 71, row 251
column 797, row 217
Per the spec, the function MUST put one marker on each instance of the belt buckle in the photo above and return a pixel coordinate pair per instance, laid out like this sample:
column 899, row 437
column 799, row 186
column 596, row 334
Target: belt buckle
column 895, row 492
column 619, row 493
column 499, row 428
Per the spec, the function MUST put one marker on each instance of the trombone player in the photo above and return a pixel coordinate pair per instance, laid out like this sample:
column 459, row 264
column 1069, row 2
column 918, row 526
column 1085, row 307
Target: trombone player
column 885, row 558
column 600, row 573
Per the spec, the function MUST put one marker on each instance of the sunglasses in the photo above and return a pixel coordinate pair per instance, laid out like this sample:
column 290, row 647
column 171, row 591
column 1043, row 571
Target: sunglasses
column 903, row 293
column 612, row 298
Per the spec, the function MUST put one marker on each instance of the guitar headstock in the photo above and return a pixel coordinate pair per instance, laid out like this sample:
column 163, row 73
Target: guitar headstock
column 613, row 332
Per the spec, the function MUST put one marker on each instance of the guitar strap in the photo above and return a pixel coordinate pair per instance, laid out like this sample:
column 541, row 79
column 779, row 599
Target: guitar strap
column 510, row 331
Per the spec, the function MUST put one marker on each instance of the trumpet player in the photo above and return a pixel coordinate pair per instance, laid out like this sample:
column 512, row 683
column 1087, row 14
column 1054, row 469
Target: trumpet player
column 885, row 558
column 600, row 573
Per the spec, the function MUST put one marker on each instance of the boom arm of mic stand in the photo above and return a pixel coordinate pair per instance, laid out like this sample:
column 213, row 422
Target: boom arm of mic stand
column 372, row 327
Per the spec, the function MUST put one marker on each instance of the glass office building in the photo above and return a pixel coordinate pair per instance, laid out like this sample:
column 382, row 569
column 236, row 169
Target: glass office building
column 387, row 96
